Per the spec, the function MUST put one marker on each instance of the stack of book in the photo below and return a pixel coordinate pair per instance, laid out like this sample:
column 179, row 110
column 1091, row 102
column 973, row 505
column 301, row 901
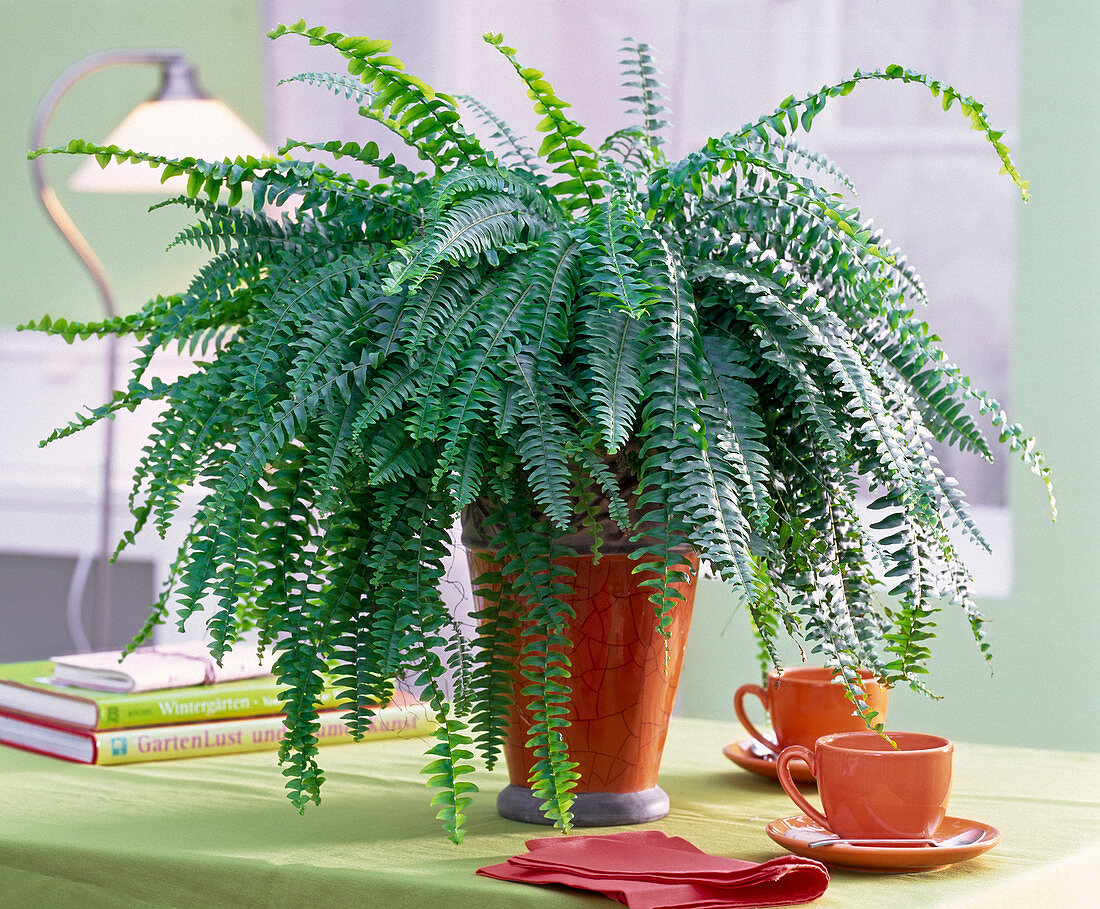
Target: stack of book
column 163, row 704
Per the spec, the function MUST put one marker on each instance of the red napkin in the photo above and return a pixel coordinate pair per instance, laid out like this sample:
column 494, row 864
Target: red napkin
column 645, row 869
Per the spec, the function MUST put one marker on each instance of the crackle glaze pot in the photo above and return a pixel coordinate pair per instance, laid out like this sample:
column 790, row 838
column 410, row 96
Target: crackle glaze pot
column 624, row 675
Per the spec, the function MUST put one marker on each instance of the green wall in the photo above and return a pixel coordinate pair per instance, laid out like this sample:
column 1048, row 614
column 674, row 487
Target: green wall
column 39, row 41
column 1043, row 690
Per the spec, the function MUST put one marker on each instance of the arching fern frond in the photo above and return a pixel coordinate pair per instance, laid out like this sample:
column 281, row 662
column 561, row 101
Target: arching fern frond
column 519, row 154
column 387, row 165
column 794, row 151
column 121, row 400
column 791, row 113
column 344, row 85
column 224, row 227
column 574, row 158
column 407, row 105
column 469, row 228
column 640, row 72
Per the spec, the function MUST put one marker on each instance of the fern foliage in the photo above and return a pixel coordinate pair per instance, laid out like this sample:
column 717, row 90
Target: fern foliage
column 719, row 346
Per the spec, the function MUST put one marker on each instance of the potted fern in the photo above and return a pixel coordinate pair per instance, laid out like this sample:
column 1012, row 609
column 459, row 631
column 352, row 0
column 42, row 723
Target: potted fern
column 600, row 357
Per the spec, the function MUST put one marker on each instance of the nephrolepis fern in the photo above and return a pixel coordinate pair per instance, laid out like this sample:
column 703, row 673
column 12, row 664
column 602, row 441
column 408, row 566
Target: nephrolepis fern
column 720, row 346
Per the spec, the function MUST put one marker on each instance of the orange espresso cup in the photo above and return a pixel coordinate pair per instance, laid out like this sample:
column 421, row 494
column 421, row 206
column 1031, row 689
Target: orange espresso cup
column 805, row 704
column 870, row 789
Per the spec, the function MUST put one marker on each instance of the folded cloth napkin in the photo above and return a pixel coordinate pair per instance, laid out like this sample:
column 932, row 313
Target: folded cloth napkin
column 646, row 869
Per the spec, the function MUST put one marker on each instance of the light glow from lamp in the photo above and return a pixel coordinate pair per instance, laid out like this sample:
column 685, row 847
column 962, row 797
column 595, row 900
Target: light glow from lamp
column 181, row 121
column 197, row 128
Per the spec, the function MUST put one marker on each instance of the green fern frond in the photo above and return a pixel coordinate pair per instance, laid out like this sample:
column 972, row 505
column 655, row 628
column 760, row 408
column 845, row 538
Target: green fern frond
column 936, row 385
column 137, row 324
column 615, row 259
column 794, row 151
column 332, row 460
column 611, row 345
column 640, row 72
column 553, row 272
column 454, row 795
column 121, row 400
column 545, row 442
column 1023, row 446
column 575, row 160
column 424, row 118
column 346, row 86
column 791, row 114
column 293, row 297
column 674, row 456
column 662, row 539
column 224, row 227
column 769, row 182
column 390, row 390
column 496, row 643
column 387, row 165
column 518, row 153
column 734, row 427
column 181, row 440
column 206, row 177
column 461, row 407
column 470, row 227
column 525, row 549
column 440, row 362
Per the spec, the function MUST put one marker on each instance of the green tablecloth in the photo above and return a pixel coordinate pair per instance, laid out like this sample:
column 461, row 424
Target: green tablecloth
column 213, row 832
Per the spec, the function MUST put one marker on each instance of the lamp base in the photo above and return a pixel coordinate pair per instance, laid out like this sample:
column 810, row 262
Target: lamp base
column 590, row 809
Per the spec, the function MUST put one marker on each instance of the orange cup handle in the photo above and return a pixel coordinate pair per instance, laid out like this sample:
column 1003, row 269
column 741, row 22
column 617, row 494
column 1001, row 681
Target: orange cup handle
column 783, row 771
column 739, row 708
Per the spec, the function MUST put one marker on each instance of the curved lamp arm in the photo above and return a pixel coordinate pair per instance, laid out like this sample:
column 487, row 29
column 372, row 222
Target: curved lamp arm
column 177, row 77
column 42, row 117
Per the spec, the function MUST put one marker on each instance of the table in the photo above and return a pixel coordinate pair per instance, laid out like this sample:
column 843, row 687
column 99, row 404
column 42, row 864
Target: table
column 218, row 832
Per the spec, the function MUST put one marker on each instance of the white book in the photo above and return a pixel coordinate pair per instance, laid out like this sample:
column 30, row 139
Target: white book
column 161, row 666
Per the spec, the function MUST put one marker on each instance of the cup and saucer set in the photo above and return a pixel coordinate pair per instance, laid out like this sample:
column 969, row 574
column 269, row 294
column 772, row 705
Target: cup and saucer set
column 884, row 803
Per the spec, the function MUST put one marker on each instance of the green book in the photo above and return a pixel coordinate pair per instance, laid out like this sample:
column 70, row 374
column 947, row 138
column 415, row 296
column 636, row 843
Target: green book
column 25, row 688
column 403, row 717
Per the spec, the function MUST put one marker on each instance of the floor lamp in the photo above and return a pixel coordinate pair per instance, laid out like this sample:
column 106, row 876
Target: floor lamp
column 179, row 120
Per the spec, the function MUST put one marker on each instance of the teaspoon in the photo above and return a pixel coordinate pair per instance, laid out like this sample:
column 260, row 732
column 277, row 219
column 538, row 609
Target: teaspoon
column 964, row 838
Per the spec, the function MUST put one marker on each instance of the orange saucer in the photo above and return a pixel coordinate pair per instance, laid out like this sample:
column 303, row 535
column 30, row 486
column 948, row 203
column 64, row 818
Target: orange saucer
column 796, row 833
column 750, row 756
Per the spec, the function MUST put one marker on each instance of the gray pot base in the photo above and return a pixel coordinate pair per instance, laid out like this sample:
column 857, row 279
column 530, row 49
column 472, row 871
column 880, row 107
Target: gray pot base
column 590, row 809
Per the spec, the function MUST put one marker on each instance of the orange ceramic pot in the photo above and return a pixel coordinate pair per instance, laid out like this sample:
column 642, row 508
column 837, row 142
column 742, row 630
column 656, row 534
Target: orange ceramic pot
column 623, row 678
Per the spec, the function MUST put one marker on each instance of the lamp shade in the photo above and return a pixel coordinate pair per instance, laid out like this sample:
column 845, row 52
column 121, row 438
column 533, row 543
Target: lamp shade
column 175, row 128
